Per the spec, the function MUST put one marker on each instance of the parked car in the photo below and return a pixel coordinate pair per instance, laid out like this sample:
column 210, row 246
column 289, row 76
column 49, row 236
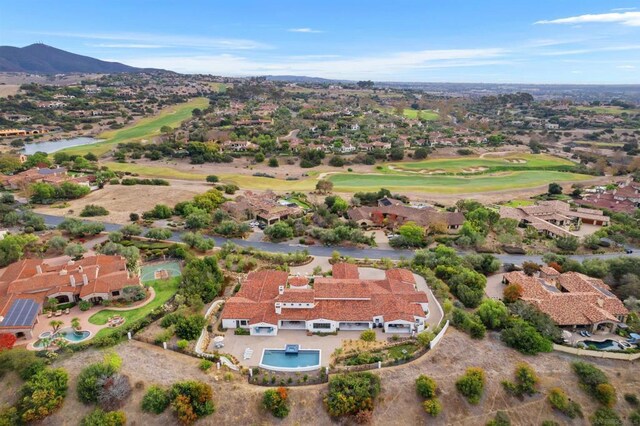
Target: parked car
column 628, row 250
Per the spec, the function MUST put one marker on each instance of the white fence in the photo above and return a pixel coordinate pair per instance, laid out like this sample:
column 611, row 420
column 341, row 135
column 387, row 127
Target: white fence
column 440, row 335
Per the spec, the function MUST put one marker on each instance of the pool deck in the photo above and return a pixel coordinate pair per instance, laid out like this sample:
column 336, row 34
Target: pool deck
column 236, row 345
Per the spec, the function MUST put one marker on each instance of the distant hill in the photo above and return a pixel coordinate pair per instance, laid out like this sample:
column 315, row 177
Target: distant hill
column 42, row 59
column 304, row 79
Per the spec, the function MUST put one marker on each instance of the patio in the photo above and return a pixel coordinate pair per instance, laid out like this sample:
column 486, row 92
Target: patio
column 236, row 345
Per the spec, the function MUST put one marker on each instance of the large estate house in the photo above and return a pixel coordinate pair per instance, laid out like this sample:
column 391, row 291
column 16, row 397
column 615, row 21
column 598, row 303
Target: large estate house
column 392, row 213
column 264, row 207
column 27, row 284
column 554, row 218
column 271, row 300
column 571, row 299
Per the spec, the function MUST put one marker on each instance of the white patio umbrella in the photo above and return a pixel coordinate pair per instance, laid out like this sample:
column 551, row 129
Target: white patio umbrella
column 218, row 339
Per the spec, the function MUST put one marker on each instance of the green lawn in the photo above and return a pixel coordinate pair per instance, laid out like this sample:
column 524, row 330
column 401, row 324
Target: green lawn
column 164, row 291
column 611, row 110
column 159, row 171
column 146, row 128
column 425, row 114
column 451, row 184
column 510, row 162
column 396, row 351
column 519, row 203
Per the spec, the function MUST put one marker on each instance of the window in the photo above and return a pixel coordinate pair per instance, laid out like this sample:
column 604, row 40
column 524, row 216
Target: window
column 321, row 325
column 115, row 293
column 243, row 322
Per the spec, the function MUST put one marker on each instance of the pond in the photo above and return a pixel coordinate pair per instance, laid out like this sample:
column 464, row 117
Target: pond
column 54, row 146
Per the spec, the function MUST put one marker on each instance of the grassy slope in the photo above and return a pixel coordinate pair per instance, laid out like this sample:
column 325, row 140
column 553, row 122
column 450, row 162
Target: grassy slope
column 457, row 164
column 146, row 128
column 164, row 291
column 412, row 114
column 612, row 110
column 451, row 184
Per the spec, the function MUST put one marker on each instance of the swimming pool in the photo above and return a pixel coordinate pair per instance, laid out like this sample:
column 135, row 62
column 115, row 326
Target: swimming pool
column 605, row 345
column 279, row 360
column 68, row 334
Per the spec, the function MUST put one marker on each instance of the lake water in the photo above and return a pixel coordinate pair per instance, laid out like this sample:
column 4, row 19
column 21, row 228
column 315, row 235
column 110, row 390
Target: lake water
column 53, row 146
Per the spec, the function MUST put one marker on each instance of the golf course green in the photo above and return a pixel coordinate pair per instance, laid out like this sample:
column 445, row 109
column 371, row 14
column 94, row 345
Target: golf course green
column 145, row 128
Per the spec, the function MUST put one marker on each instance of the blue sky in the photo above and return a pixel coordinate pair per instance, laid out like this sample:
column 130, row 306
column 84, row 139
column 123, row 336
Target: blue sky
column 502, row 41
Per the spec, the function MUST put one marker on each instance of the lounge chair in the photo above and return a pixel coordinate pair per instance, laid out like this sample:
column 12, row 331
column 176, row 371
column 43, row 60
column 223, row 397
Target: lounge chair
column 58, row 313
column 66, row 311
column 248, row 353
column 49, row 314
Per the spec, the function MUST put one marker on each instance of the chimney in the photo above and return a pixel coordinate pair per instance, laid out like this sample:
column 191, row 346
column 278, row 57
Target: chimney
column 85, row 279
column 280, row 289
column 278, row 308
column 72, row 280
column 38, row 269
column 97, row 271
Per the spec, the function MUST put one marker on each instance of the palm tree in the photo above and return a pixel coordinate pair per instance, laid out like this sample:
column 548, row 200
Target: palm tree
column 75, row 323
column 55, row 325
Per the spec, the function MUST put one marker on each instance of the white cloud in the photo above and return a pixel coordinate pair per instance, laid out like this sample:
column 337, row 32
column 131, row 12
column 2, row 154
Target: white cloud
column 631, row 19
column 167, row 40
column 391, row 66
column 303, row 30
column 591, row 50
column 126, row 46
column 626, row 67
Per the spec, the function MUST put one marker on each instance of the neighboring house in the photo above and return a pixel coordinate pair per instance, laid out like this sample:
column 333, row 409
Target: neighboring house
column 624, row 199
column 269, row 301
column 392, row 213
column 551, row 126
column 571, row 299
column 27, row 284
column 264, row 207
column 53, row 176
column 239, row 146
column 554, row 218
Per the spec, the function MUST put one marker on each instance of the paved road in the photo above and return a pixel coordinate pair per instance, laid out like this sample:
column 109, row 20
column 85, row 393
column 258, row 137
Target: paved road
column 370, row 253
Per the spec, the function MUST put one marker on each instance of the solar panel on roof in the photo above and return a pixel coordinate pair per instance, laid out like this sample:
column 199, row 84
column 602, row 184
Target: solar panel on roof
column 23, row 312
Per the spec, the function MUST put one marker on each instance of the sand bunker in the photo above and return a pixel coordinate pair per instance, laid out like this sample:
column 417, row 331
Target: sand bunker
column 475, row 169
column 515, row 160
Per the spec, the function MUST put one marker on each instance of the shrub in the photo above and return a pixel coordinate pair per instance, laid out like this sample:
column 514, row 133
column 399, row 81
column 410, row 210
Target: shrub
column 432, row 407
column 7, row 340
column 526, row 381
column 561, row 402
column 191, row 400
column 501, row 419
column 84, row 305
column 182, row 344
column 205, row 365
column 523, row 337
column 276, row 401
column 605, row 416
column 99, row 417
column 90, row 381
column 91, row 210
column 469, row 323
column 632, row 399
column 606, row 394
column 42, row 394
column 113, row 391
column 590, row 378
column 425, row 386
column 22, row 361
column 189, row 328
column 368, row 336
column 471, row 384
column 425, row 338
column 493, row 314
column 512, row 292
column 634, row 418
column 156, row 400
column 352, row 393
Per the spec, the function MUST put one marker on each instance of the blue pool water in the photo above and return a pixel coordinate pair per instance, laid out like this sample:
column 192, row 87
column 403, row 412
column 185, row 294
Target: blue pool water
column 305, row 359
column 68, row 334
column 606, row 345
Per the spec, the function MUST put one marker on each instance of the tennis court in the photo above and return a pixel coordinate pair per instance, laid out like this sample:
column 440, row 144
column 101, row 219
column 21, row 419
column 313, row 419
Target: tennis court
column 160, row 271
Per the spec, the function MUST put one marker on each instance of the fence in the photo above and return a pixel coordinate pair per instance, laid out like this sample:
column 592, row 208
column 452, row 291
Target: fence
column 439, row 336
column 596, row 354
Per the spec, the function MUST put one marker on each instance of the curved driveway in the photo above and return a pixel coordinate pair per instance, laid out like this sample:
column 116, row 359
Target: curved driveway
column 370, row 253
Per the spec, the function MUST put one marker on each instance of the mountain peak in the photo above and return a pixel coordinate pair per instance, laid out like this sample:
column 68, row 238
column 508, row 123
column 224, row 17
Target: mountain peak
column 44, row 59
